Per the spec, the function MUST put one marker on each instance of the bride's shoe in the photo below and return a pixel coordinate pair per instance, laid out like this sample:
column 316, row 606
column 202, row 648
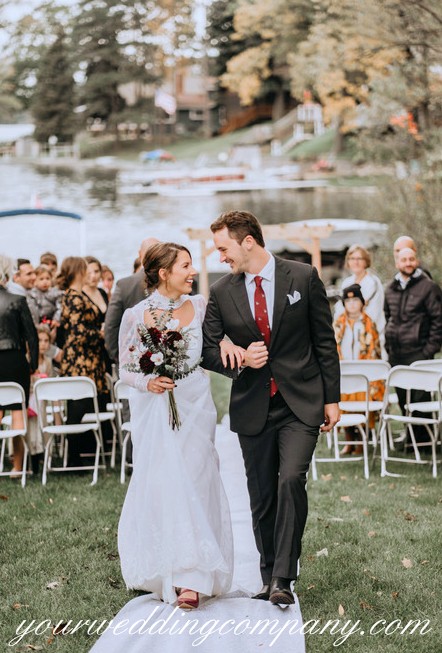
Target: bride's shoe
column 188, row 599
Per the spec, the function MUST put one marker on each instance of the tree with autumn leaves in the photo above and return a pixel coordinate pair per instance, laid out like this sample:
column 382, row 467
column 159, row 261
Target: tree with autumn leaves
column 370, row 63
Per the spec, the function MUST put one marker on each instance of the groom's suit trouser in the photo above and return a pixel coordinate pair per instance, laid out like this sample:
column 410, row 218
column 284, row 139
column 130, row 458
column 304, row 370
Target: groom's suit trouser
column 276, row 462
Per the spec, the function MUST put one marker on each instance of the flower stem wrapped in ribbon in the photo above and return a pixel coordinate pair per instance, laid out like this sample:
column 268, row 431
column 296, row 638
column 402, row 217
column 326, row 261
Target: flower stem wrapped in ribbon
column 163, row 351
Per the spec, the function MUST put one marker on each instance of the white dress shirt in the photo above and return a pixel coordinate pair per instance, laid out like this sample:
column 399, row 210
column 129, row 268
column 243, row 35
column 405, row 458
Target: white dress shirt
column 268, row 285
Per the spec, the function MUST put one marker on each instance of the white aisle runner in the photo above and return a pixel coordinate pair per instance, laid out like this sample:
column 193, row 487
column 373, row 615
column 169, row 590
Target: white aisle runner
column 233, row 623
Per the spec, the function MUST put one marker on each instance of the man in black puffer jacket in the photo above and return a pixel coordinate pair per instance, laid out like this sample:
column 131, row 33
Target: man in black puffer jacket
column 413, row 310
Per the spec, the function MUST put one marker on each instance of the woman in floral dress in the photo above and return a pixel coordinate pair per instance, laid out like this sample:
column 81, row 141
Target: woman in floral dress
column 83, row 348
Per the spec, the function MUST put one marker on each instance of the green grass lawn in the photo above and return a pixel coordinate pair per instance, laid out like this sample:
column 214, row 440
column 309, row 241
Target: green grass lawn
column 59, row 558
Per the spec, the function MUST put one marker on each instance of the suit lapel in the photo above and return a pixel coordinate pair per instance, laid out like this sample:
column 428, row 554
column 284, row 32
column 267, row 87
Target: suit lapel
column 283, row 284
column 239, row 295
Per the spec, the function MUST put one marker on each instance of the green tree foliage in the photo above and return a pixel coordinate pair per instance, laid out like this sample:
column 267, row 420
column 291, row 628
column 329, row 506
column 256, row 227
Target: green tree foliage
column 269, row 30
column 9, row 104
column 53, row 100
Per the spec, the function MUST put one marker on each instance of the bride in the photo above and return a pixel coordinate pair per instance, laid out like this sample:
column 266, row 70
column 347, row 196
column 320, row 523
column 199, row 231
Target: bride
column 174, row 535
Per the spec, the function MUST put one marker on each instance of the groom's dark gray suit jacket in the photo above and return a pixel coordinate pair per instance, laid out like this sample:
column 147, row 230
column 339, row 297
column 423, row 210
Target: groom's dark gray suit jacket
column 303, row 357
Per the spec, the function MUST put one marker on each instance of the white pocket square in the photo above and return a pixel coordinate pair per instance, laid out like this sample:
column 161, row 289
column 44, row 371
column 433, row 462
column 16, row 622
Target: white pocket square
column 295, row 297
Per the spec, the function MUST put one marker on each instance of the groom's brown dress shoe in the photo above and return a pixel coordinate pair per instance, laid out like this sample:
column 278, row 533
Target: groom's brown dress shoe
column 280, row 591
column 263, row 594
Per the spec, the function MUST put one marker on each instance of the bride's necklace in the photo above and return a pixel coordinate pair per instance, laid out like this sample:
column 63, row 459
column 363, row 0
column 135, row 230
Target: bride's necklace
column 158, row 301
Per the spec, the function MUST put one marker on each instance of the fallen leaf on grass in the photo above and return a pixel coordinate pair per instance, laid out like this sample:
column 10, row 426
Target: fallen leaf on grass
column 365, row 606
column 341, row 610
column 112, row 556
column 392, row 486
column 17, row 606
column 53, row 585
column 51, row 501
column 34, row 648
column 372, row 533
column 310, row 587
column 395, row 595
column 406, row 562
column 326, row 477
column 114, row 583
column 409, row 517
column 343, row 478
column 322, row 552
column 346, row 499
column 4, row 497
column 366, row 512
column 425, row 562
column 338, row 519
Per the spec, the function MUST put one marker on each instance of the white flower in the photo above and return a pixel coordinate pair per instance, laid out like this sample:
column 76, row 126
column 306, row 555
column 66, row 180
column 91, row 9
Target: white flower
column 172, row 325
column 157, row 359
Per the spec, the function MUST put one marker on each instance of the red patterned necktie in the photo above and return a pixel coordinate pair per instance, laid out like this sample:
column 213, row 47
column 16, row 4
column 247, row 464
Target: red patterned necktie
column 262, row 320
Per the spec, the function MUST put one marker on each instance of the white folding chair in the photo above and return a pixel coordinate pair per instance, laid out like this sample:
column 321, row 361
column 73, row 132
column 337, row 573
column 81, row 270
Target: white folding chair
column 59, row 390
column 431, row 406
column 374, row 370
column 13, row 393
column 349, row 383
column 109, row 415
column 411, row 378
column 122, row 391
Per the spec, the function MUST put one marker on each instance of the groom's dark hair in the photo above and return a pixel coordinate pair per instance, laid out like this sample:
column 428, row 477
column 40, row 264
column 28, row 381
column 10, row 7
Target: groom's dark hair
column 239, row 225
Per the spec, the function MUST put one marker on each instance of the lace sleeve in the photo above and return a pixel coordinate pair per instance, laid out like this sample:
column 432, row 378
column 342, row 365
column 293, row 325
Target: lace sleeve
column 199, row 304
column 129, row 338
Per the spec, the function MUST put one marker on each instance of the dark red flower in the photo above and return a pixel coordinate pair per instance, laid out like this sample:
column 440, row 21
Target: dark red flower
column 146, row 365
column 132, row 348
column 172, row 337
column 155, row 334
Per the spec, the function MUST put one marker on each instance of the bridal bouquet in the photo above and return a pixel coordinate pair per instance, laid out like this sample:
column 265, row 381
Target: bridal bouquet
column 162, row 350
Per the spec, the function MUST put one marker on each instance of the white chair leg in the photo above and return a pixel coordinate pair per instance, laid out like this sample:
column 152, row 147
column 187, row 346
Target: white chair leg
column 314, row 469
column 44, row 476
column 25, row 462
column 97, row 459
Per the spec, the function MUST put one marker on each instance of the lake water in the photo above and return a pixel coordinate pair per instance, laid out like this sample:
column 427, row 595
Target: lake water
column 115, row 224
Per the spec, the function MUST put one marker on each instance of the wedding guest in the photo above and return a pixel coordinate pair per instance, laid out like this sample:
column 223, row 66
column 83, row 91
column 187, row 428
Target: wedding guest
column 50, row 260
column 83, row 348
column 358, row 262
column 357, row 339
column 107, row 280
column 17, row 335
column 406, row 242
column 413, row 308
column 128, row 292
column 44, row 370
column 44, row 300
column 22, row 280
column 91, row 286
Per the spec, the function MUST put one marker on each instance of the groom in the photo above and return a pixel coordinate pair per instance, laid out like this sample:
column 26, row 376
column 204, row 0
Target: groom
column 285, row 391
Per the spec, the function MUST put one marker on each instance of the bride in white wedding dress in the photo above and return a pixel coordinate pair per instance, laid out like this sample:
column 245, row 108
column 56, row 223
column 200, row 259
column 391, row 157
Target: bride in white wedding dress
column 174, row 535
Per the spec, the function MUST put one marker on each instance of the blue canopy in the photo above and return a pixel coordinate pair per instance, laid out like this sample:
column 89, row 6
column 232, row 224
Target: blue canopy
column 59, row 214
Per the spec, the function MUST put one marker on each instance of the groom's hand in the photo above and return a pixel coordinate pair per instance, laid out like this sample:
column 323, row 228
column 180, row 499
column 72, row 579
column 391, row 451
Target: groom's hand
column 332, row 415
column 256, row 355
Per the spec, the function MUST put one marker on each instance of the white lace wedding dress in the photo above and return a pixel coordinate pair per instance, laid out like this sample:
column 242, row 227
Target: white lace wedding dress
column 175, row 528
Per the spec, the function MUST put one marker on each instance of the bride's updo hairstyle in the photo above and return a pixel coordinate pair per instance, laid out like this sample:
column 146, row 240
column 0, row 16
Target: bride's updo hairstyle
column 71, row 266
column 161, row 256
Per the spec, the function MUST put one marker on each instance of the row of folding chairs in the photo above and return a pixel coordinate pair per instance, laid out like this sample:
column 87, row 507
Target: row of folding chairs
column 51, row 396
column 356, row 376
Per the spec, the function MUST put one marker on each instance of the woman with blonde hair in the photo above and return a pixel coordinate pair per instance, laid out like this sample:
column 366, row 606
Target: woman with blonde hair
column 358, row 262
